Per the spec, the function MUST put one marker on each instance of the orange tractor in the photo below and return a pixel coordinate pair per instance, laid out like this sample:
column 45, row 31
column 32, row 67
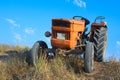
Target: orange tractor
column 70, row 37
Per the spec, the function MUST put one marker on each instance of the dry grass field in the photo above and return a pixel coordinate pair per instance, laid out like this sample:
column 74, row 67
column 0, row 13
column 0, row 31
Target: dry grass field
column 14, row 67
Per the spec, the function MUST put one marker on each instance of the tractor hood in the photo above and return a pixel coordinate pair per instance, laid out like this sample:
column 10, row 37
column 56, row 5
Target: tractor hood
column 73, row 21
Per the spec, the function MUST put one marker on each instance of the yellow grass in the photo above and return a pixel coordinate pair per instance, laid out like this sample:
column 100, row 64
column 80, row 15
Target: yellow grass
column 60, row 68
column 5, row 48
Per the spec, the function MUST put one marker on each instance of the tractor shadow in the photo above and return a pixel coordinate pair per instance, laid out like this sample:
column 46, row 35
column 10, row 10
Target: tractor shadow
column 13, row 55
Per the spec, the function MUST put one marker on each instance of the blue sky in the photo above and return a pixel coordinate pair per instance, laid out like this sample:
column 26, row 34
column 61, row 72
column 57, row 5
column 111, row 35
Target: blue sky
column 25, row 21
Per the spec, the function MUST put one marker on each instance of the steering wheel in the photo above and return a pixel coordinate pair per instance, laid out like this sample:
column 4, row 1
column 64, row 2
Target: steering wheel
column 82, row 18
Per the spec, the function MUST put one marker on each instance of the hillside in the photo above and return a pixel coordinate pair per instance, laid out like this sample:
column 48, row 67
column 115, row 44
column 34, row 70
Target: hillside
column 14, row 67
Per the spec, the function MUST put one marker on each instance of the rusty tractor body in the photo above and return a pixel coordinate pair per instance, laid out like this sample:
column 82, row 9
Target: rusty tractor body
column 70, row 37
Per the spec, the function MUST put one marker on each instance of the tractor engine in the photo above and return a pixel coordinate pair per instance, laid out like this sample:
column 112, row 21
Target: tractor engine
column 66, row 33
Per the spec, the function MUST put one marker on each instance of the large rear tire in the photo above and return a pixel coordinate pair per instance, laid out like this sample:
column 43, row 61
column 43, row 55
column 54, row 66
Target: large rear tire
column 37, row 50
column 99, row 39
column 89, row 57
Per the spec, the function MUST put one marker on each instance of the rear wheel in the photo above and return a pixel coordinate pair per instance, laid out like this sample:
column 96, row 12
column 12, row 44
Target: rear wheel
column 37, row 50
column 99, row 39
column 88, row 57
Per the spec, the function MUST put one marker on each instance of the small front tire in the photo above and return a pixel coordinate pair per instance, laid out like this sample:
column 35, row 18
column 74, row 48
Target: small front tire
column 37, row 50
column 89, row 57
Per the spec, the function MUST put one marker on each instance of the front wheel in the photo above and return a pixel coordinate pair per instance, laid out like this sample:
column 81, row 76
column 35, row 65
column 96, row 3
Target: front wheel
column 37, row 50
column 89, row 57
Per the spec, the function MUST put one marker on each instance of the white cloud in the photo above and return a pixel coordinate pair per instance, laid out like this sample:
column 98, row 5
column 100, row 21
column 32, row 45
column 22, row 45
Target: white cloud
column 80, row 3
column 29, row 30
column 17, row 37
column 13, row 22
column 118, row 43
